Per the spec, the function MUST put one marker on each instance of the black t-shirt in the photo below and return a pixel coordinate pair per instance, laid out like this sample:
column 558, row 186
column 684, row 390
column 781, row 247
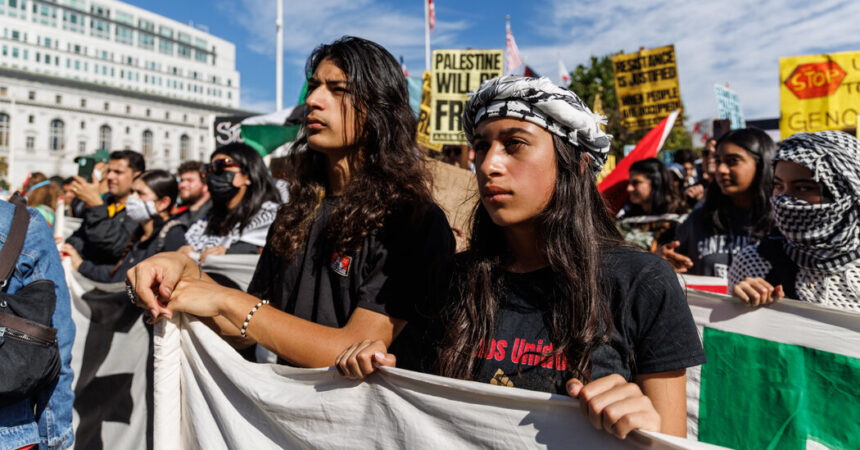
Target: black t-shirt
column 712, row 251
column 397, row 266
column 652, row 327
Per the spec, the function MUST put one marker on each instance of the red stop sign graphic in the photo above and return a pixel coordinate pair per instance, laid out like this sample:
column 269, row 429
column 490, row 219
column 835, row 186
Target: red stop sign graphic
column 815, row 79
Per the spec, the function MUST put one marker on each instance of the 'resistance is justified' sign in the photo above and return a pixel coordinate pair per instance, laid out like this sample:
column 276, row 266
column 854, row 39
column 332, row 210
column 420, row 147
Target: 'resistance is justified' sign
column 646, row 83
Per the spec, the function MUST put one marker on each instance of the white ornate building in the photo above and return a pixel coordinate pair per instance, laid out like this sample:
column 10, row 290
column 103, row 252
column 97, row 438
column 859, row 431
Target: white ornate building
column 79, row 75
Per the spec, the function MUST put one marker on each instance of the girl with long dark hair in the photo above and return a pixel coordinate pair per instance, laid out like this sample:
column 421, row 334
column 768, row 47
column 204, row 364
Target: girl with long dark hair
column 548, row 297
column 358, row 244
column 153, row 194
column 244, row 204
column 653, row 208
column 816, row 204
column 736, row 211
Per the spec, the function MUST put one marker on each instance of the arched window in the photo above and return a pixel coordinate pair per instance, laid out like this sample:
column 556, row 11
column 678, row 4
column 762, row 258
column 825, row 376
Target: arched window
column 57, row 135
column 104, row 137
column 146, row 145
column 4, row 130
column 184, row 144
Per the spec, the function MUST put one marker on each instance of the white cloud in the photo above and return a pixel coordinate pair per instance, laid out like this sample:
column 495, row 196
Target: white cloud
column 734, row 41
column 255, row 100
column 308, row 24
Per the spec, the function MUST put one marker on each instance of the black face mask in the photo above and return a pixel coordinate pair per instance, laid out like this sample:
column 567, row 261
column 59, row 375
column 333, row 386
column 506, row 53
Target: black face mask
column 221, row 186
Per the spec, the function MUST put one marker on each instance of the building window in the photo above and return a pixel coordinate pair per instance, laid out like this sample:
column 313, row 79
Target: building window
column 31, row 95
column 82, row 147
column 31, row 118
column 184, row 144
column 104, row 137
column 107, row 106
column 166, row 115
column 4, row 130
column 31, row 142
column 147, row 112
column 83, row 103
column 57, row 135
column 166, row 134
column 146, row 144
column 127, row 109
column 83, row 125
column 127, row 130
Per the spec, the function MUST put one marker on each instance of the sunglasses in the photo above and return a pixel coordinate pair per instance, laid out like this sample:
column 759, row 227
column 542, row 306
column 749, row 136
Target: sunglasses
column 218, row 166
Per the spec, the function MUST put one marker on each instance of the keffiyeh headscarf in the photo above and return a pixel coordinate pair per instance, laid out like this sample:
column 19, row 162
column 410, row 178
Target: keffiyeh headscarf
column 826, row 236
column 541, row 102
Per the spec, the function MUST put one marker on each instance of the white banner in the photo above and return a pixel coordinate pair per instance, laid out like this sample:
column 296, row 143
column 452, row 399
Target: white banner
column 209, row 397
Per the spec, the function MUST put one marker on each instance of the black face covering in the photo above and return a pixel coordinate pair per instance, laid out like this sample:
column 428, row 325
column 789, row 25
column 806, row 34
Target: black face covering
column 221, row 186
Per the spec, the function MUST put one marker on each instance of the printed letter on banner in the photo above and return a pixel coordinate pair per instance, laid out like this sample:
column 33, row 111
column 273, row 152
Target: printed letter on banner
column 819, row 92
column 646, row 84
column 456, row 74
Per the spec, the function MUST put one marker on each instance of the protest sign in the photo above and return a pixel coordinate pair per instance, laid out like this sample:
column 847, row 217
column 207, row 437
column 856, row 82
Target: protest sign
column 819, row 92
column 423, row 133
column 456, row 73
column 455, row 190
column 646, row 84
column 780, row 376
column 729, row 106
column 228, row 129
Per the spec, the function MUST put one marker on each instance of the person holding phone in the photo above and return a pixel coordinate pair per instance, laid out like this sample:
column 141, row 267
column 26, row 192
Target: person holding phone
column 106, row 229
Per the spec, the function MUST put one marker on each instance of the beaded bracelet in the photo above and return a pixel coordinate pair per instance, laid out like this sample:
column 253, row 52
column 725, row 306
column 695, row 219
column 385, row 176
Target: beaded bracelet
column 251, row 314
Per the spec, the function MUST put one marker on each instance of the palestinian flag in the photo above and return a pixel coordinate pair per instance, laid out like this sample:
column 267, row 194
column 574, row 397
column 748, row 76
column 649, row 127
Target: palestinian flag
column 267, row 132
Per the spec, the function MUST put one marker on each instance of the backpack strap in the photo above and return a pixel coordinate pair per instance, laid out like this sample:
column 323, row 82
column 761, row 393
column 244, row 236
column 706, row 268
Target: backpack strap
column 14, row 240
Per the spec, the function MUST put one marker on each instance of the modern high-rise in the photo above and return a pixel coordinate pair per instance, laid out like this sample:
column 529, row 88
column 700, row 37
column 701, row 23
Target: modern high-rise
column 79, row 75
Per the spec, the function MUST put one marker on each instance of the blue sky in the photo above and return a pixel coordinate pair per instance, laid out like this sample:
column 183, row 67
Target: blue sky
column 734, row 41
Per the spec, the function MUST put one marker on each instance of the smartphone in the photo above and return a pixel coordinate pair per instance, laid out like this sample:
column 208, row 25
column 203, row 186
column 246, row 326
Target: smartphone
column 85, row 168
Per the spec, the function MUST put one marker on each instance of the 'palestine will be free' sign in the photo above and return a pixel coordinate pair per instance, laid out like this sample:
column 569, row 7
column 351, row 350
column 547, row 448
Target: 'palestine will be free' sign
column 646, row 83
column 456, row 74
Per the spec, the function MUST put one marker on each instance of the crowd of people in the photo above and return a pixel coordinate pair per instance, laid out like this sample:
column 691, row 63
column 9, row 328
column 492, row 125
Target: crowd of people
column 357, row 265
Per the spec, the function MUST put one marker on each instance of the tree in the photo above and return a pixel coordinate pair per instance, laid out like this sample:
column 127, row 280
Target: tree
column 598, row 78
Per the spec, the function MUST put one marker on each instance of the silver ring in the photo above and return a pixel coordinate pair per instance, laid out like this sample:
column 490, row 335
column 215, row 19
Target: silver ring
column 129, row 290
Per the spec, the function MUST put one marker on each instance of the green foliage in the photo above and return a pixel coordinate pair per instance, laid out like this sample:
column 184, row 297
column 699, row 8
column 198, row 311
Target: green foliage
column 598, row 77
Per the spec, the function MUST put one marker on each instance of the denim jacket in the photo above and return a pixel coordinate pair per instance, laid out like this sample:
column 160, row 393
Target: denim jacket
column 40, row 260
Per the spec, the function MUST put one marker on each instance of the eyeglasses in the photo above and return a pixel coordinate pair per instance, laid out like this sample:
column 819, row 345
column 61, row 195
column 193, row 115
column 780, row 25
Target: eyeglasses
column 218, row 166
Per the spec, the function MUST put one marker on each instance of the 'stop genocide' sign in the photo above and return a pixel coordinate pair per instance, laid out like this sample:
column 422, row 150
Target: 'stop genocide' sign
column 456, row 73
column 646, row 83
column 819, row 92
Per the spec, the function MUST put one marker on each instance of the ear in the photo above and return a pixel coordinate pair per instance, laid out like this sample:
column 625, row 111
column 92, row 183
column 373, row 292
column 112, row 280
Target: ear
column 584, row 161
column 162, row 204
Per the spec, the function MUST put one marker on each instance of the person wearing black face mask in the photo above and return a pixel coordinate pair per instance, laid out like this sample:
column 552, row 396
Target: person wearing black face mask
column 244, row 204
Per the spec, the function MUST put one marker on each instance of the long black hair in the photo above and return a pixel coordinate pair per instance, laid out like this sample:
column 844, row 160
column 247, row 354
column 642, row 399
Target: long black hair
column 664, row 197
column 261, row 190
column 572, row 231
column 390, row 171
column 715, row 210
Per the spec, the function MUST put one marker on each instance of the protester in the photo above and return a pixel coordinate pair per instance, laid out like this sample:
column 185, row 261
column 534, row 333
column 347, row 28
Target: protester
column 42, row 195
column 736, row 211
column 687, row 159
column 74, row 206
column 653, row 208
column 44, row 421
column 152, row 196
column 547, row 275
column 816, row 204
column 193, row 193
column 358, row 245
column 709, row 161
column 244, row 204
column 106, row 229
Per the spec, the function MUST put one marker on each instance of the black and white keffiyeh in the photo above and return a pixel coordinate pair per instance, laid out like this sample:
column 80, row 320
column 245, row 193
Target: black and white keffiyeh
column 540, row 101
column 826, row 236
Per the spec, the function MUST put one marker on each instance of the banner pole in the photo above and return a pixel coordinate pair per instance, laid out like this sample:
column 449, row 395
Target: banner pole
column 427, row 36
column 279, row 58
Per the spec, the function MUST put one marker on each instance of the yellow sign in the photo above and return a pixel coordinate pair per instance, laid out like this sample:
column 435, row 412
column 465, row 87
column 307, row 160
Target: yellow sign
column 423, row 134
column 819, row 92
column 646, row 83
column 456, row 74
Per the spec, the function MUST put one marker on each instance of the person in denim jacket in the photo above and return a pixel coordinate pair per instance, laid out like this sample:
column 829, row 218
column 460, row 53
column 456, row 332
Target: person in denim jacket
column 39, row 260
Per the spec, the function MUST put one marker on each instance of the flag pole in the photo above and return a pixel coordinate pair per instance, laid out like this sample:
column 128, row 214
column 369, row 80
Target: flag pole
column 279, row 58
column 427, row 36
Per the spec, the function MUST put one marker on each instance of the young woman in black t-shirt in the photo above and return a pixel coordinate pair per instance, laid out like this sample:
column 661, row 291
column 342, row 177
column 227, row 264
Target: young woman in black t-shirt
column 359, row 240
column 736, row 212
column 548, row 297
